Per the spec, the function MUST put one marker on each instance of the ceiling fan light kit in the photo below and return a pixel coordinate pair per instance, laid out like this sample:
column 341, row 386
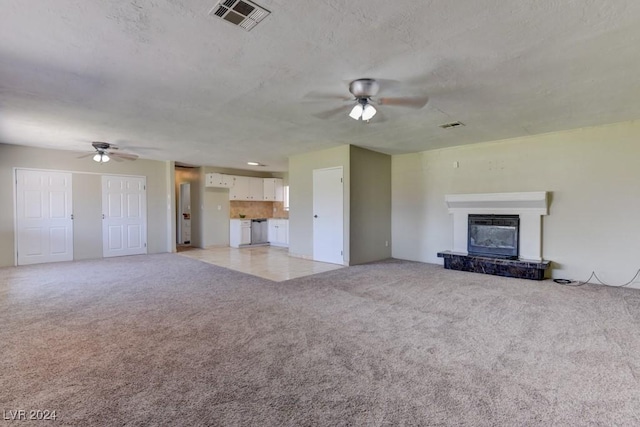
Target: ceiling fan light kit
column 104, row 152
column 363, row 110
column 356, row 112
column 101, row 158
column 368, row 112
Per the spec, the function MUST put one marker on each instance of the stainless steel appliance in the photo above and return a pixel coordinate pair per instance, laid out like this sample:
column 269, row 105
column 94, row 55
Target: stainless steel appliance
column 259, row 231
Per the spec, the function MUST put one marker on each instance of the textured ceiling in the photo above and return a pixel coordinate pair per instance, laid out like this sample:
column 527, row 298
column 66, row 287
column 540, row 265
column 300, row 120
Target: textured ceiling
column 170, row 82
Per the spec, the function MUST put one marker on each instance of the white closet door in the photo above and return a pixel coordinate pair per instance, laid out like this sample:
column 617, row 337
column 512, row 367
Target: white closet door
column 328, row 215
column 44, row 217
column 124, row 209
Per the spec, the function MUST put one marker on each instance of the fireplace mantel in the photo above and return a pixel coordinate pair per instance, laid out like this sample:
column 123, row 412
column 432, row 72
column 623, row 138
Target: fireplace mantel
column 511, row 203
column 530, row 206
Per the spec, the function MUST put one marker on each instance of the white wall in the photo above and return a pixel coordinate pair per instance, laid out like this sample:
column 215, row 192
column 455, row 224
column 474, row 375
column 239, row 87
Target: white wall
column 592, row 174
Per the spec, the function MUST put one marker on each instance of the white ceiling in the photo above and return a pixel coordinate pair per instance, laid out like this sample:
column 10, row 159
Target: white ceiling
column 170, row 82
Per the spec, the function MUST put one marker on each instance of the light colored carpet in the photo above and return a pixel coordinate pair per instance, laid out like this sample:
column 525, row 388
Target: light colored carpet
column 163, row 339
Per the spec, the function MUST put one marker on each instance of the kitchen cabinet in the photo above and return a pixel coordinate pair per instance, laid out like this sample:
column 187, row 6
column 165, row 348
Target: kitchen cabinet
column 186, row 230
column 278, row 232
column 239, row 232
column 273, row 190
column 240, row 189
column 256, row 189
column 247, row 188
column 219, row 180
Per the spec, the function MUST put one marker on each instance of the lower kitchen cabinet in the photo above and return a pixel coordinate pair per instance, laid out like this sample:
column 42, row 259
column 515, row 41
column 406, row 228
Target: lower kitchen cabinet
column 239, row 232
column 278, row 232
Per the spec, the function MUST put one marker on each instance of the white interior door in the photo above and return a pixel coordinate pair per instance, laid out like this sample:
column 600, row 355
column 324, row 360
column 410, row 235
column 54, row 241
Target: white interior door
column 124, row 211
column 44, row 218
column 328, row 215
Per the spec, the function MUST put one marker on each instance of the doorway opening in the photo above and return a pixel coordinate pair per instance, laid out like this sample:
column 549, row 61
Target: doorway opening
column 184, row 215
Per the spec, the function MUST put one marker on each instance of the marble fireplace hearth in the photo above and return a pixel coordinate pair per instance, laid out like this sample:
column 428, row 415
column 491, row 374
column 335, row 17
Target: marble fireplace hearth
column 529, row 206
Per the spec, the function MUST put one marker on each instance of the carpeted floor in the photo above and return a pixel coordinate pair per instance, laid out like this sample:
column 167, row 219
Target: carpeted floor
column 166, row 340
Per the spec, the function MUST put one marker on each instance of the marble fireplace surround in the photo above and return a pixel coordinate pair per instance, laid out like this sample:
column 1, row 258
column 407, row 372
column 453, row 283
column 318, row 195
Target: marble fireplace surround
column 530, row 206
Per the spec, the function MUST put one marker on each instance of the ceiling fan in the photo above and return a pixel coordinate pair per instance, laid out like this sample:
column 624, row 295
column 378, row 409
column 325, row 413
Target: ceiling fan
column 105, row 152
column 364, row 93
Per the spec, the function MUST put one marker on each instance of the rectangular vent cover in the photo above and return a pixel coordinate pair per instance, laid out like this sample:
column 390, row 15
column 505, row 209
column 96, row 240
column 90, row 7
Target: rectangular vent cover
column 243, row 13
column 451, row 125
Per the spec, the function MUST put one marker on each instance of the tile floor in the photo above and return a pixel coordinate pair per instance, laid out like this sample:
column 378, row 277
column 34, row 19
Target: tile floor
column 268, row 262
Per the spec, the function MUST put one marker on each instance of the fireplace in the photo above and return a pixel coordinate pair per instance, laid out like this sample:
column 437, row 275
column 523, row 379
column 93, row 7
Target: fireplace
column 489, row 229
column 493, row 236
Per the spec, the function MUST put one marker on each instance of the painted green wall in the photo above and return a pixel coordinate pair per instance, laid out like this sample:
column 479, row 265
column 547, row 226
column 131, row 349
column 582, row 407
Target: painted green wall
column 370, row 215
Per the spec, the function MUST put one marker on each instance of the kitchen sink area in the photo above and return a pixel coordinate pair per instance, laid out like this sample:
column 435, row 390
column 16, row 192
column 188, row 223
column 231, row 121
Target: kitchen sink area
column 258, row 232
column 258, row 223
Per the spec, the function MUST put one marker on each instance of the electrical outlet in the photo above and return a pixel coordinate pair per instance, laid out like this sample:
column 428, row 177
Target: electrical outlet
column 386, row 243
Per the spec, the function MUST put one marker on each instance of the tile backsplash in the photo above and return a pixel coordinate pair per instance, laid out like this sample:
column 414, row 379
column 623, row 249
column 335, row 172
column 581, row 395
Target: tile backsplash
column 257, row 209
column 278, row 210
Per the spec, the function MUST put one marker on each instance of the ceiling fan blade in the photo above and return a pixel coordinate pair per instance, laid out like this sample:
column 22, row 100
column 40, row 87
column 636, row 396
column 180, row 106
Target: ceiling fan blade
column 388, row 86
column 409, row 102
column 330, row 113
column 125, row 156
column 84, row 156
column 321, row 96
column 378, row 118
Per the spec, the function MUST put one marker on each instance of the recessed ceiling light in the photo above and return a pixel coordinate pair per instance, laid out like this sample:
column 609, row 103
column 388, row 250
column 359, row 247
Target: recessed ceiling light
column 253, row 163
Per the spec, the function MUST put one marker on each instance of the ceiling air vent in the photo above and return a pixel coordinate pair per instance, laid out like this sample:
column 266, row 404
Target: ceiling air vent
column 451, row 125
column 242, row 13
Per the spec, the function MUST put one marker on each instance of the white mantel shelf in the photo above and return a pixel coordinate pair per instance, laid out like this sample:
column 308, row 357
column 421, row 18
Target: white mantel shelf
column 529, row 206
column 514, row 203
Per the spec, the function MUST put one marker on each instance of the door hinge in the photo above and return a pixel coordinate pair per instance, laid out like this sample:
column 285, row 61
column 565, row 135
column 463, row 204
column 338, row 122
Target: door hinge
column 102, row 216
column 145, row 245
column 340, row 252
column 340, row 179
column 71, row 216
column 144, row 187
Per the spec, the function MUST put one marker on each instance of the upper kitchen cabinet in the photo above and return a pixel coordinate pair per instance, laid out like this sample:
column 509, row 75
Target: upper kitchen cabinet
column 273, row 190
column 256, row 189
column 240, row 189
column 219, row 180
column 247, row 188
